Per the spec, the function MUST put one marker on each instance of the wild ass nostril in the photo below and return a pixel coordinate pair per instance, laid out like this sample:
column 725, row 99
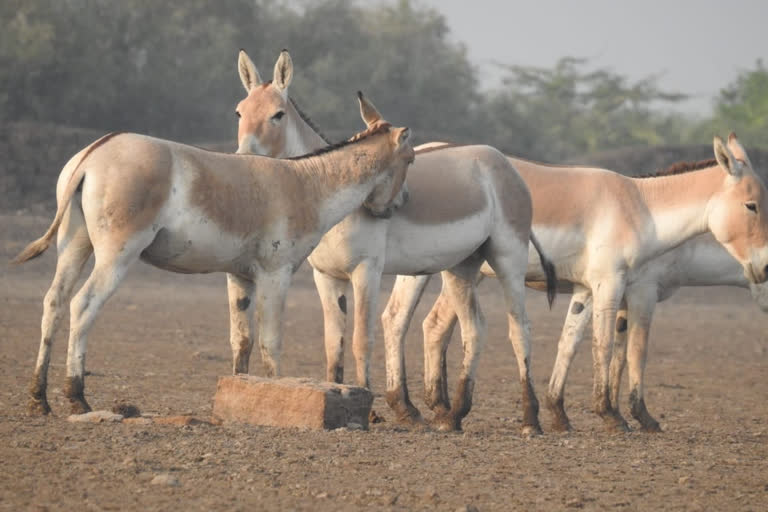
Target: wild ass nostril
column 765, row 271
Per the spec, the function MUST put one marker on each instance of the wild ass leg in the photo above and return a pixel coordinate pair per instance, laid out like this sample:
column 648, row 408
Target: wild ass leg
column 607, row 295
column 511, row 274
column 113, row 259
column 395, row 320
column 438, row 328
column 366, row 282
column 459, row 286
column 271, row 289
column 641, row 308
column 579, row 314
column 333, row 297
column 240, row 295
column 74, row 249
column 618, row 357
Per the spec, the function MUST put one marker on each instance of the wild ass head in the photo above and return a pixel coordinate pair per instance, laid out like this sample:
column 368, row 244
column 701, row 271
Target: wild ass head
column 270, row 124
column 738, row 213
column 398, row 190
column 267, row 116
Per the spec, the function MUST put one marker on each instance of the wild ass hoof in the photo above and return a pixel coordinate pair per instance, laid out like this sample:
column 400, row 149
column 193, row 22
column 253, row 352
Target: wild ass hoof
column 615, row 423
column 531, row 431
column 38, row 407
column 78, row 406
column 412, row 418
column 446, row 423
column 647, row 422
column 560, row 421
column 405, row 412
column 561, row 424
column 652, row 428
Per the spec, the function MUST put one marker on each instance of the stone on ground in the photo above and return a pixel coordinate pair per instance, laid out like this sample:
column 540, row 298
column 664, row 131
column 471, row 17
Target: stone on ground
column 291, row 402
column 95, row 417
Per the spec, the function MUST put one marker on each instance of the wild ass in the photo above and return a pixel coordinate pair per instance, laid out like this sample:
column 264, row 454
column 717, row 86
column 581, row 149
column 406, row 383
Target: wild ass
column 127, row 197
column 466, row 205
column 601, row 230
column 701, row 261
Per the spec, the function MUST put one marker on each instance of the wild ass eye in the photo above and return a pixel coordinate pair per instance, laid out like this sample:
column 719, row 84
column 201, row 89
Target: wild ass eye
column 751, row 207
column 237, row 113
column 278, row 116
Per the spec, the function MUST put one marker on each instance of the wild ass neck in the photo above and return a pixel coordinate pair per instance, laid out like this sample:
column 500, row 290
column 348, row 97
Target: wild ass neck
column 677, row 206
column 300, row 136
column 340, row 177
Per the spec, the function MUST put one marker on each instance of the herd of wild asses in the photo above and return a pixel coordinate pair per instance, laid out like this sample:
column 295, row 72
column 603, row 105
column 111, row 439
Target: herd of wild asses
column 374, row 205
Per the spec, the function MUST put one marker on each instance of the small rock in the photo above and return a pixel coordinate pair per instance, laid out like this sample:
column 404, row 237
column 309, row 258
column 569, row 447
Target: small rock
column 467, row 508
column 96, row 417
column 127, row 410
column 321, row 495
column 165, row 479
column 683, row 480
column 574, row 503
column 355, row 426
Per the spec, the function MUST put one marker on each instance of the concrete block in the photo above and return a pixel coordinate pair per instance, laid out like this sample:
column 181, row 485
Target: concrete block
column 291, row 402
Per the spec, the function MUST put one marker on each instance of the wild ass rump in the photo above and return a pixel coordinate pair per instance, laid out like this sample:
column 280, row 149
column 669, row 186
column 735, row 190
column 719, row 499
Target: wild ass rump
column 127, row 197
column 467, row 205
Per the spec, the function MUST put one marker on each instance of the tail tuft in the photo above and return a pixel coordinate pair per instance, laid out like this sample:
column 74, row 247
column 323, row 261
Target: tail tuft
column 33, row 250
column 549, row 271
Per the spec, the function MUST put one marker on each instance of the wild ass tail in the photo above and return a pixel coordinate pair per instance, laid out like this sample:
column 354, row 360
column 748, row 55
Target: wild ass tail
column 39, row 246
column 549, row 270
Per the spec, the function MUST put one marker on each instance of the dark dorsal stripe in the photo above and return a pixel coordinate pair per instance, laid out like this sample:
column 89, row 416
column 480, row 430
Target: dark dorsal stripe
column 681, row 168
column 376, row 129
column 304, row 117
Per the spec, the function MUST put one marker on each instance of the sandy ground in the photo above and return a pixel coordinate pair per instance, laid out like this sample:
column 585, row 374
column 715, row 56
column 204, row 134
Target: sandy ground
column 161, row 343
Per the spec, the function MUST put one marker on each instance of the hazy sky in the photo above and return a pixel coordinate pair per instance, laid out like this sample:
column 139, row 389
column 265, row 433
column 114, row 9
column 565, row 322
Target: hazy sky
column 697, row 45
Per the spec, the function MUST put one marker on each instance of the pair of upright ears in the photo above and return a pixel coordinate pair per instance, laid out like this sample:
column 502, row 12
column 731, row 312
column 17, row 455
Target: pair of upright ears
column 249, row 75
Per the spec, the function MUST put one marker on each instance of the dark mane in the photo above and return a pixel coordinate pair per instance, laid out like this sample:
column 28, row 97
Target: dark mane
column 374, row 130
column 304, row 117
column 681, row 168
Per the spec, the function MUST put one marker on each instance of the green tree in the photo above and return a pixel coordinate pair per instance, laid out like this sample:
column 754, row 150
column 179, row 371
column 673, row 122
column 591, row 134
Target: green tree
column 570, row 110
column 743, row 107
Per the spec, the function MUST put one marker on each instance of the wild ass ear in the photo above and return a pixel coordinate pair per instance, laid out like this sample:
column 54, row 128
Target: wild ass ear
column 367, row 111
column 403, row 134
column 726, row 159
column 283, row 73
column 738, row 150
column 248, row 74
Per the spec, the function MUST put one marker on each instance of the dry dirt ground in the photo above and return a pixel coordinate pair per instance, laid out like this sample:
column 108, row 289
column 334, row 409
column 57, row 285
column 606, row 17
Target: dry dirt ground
column 161, row 342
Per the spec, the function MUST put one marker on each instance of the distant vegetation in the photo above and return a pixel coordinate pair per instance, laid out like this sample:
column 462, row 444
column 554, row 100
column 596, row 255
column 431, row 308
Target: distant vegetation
column 168, row 68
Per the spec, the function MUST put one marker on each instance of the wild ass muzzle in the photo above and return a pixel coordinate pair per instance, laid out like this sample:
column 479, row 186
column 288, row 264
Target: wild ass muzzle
column 601, row 229
column 466, row 205
column 127, row 197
